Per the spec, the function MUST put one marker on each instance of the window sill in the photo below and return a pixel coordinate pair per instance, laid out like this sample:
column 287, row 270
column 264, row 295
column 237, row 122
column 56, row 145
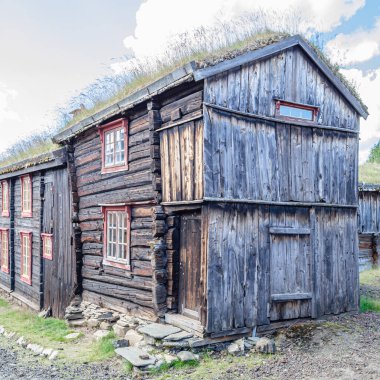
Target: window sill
column 116, row 264
column 5, row 270
column 26, row 280
column 114, row 169
column 48, row 257
column 26, row 215
column 5, row 214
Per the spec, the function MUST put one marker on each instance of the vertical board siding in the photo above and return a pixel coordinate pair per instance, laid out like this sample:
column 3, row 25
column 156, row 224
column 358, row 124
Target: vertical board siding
column 239, row 279
column 31, row 292
column 181, row 150
column 252, row 159
column 289, row 75
column 369, row 228
column 59, row 273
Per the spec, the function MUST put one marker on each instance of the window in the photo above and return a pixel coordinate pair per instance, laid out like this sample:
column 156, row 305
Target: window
column 117, row 236
column 26, row 196
column 4, row 247
column 47, row 246
column 26, row 257
column 114, row 139
column 4, row 198
column 290, row 110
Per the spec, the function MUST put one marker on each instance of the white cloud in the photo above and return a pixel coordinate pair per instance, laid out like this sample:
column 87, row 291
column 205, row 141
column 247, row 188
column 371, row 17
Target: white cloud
column 7, row 95
column 368, row 85
column 356, row 47
column 159, row 20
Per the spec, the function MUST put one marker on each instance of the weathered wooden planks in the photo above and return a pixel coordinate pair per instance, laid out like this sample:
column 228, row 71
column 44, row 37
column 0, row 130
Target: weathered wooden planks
column 252, row 159
column 259, row 274
column 287, row 75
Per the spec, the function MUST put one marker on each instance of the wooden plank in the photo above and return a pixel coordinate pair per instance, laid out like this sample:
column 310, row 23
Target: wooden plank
column 289, row 231
column 284, row 297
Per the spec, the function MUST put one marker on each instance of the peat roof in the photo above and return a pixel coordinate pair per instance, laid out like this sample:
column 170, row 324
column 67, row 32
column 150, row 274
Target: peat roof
column 212, row 65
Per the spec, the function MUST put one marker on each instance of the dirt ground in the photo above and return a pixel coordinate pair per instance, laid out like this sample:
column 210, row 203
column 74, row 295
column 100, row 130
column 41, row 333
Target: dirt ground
column 343, row 347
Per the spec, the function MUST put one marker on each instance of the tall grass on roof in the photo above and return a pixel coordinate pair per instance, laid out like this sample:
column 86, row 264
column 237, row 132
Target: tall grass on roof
column 28, row 147
column 205, row 45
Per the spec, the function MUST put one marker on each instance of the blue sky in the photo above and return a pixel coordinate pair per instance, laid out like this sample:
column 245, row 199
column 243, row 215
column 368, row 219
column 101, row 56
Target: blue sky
column 50, row 50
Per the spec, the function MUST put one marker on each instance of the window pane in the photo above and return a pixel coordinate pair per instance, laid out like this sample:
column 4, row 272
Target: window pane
column 299, row 113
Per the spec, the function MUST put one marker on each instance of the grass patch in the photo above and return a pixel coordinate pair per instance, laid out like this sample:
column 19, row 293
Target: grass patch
column 370, row 277
column 48, row 331
column 176, row 364
column 104, row 348
column 369, row 172
column 369, row 304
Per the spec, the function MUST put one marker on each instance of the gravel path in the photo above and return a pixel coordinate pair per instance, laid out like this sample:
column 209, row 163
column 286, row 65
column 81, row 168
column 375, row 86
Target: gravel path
column 345, row 347
column 17, row 363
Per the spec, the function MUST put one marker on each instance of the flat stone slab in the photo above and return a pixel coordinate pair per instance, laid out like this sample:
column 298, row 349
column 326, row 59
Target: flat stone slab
column 178, row 336
column 137, row 357
column 159, row 331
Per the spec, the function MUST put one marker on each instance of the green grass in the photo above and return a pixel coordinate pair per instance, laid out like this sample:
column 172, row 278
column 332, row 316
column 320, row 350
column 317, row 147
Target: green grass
column 103, row 349
column 369, row 304
column 176, row 365
column 369, row 172
column 370, row 277
column 42, row 331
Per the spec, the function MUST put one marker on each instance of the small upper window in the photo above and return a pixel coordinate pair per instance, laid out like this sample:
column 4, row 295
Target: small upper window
column 4, row 247
column 296, row 111
column 26, row 196
column 4, row 198
column 114, row 139
column 47, row 246
column 116, row 236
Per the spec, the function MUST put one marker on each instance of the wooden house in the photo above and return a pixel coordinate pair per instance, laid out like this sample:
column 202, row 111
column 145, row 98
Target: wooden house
column 369, row 225
column 38, row 262
column 222, row 197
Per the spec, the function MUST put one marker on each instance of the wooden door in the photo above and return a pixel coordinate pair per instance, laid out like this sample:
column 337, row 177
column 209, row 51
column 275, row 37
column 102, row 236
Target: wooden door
column 291, row 275
column 60, row 271
column 189, row 300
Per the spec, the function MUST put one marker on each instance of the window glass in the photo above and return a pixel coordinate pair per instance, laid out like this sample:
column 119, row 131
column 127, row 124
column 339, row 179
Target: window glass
column 296, row 112
column 4, row 250
column 117, row 235
column 5, row 197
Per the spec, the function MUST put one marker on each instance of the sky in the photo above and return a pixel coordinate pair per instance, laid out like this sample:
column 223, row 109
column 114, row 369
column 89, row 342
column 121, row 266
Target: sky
column 51, row 50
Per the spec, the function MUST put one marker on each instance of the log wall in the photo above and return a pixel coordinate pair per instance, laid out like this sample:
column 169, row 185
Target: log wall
column 130, row 291
column 30, row 292
column 7, row 222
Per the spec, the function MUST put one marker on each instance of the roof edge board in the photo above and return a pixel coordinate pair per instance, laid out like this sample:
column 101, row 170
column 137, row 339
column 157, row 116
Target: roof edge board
column 55, row 158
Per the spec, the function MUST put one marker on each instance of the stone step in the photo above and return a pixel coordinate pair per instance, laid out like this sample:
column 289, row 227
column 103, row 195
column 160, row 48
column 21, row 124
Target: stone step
column 159, row 331
column 136, row 356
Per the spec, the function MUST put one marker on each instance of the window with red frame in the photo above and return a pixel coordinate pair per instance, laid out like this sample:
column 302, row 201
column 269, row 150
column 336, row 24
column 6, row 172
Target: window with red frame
column 47, row 246
column 4, row 247
column 296, row 111
column 26, row 196
column 114, row 139
column 26, row 257
column 4, row 198
column 117, row 226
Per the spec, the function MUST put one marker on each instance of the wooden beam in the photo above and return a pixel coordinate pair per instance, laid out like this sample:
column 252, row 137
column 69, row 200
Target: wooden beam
column 306, row 124
column 274, row 203
column 291, row 297
column 289, row 231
